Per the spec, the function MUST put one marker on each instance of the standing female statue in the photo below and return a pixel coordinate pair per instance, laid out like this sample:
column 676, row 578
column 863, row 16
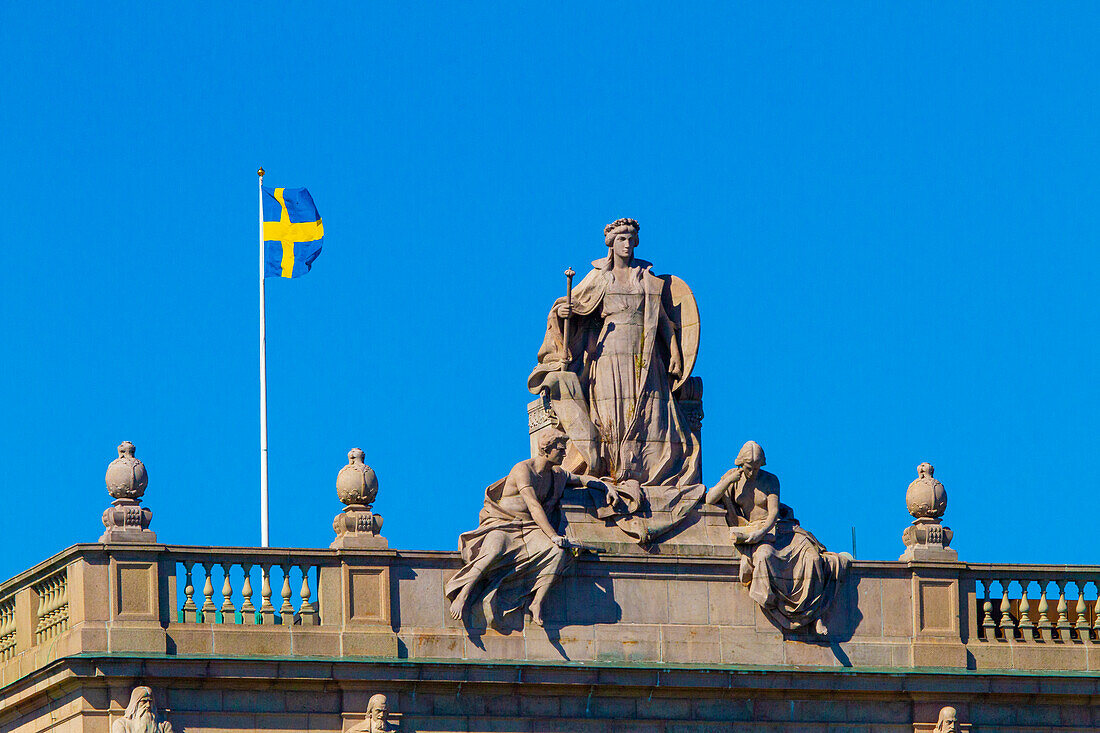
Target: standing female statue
column 612, row 386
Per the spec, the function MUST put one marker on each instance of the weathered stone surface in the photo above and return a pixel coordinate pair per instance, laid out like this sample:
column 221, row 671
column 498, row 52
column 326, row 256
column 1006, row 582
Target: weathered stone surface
column 515, row 555
column 357, row 526
column 790, row 575
column 947, row 721
column 377, row 717
column 141, row 715
column 126, row 520
column 927, row 540
column 597, row 337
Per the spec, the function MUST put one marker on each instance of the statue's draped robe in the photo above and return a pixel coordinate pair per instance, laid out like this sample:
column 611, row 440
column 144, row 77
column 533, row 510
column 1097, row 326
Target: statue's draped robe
column 135, row 725
column 797, row 580
column 530, row 559
column 614, row 398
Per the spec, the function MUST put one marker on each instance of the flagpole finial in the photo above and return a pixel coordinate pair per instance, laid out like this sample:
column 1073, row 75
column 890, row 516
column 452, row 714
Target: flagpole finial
column 260, row 173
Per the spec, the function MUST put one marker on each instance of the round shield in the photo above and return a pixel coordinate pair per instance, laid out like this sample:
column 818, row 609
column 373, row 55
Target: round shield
column 682, row 309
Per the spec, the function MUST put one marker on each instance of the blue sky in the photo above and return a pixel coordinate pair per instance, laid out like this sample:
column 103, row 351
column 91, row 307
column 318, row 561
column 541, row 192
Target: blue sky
column 887, row 213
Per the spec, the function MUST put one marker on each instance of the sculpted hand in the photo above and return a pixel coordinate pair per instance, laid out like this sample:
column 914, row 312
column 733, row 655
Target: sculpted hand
column 744, row 535
column 613, row 497
column 560, row 541
column 564, row 310
column 675, row 367
column 550, row 385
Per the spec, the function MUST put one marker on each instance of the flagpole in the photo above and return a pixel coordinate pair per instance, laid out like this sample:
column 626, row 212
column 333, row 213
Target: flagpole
column 263, row 379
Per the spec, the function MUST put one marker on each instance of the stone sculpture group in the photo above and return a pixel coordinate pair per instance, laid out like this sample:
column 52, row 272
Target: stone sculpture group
column 614, row 378
column 614, row 366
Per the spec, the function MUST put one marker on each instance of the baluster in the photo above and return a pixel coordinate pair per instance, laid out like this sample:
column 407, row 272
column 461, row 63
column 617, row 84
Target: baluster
column 1005, row 624
column 989, row 626
column 286, row 611
column 229, row 612
column 267, row 611
column 1063, row 612
column 979, row 599
column 43, row 606
column 1046, row 628
column 1096, row 611
column 189, row 608
column 1027, row 628
column 1081, row 624
column 208, row 608
column 7, row 631
column 44, row 601
column 57, row 588
column 307, row 614
column 248, row 611
column 63, row 603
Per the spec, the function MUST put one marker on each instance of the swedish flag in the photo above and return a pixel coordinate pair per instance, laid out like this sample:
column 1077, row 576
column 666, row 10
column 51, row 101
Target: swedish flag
column 292, row 232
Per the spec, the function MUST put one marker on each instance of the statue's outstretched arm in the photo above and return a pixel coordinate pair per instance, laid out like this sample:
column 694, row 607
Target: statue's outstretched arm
column 591, row 482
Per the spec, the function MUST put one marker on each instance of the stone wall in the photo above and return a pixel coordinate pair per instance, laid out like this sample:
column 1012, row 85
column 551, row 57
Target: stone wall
column 272, row 696
column 632, row 641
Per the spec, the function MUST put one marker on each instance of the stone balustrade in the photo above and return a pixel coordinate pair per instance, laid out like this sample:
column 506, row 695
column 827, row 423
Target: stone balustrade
column 247, row 590
column 7, row 629
column 346, row 603
column 53, row 606
column 1031, row 604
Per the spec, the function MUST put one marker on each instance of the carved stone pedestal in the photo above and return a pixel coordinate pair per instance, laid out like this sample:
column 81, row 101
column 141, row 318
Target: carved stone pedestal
column 704, row 533
column 540, row 415
column 358, row 527
column 927, row 540
column 127, row 521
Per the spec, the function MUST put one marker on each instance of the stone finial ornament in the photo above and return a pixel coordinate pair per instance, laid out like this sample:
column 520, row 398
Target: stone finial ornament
column 141, row 713
column 356, row 482
column 926, row 497
column 126, row 520
column 927, row 538
column 126, row 475
column 357, row 486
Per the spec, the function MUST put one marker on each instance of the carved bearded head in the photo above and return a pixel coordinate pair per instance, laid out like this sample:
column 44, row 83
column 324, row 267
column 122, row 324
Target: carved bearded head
column 142, row 711
column 948, row 721
column 377, row 709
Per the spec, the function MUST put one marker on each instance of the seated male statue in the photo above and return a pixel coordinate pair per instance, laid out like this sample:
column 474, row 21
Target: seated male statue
column 789, row 573
column 515, row 554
